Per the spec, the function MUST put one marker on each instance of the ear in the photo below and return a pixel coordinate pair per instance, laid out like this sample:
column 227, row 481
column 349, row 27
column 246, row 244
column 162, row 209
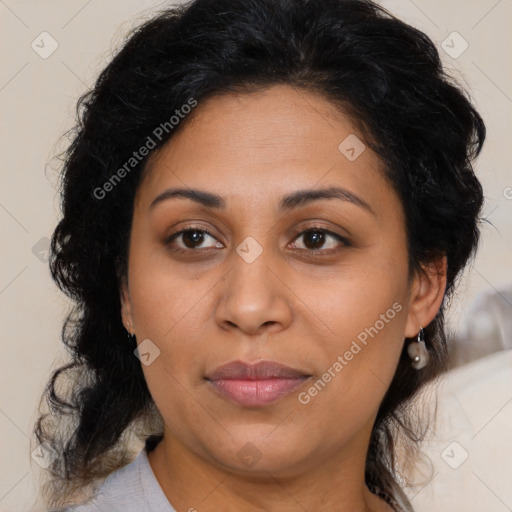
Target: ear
column 427, row 293
column 126, row 306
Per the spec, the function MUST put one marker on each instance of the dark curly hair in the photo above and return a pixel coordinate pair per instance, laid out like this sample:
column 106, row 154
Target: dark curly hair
column 384, row 74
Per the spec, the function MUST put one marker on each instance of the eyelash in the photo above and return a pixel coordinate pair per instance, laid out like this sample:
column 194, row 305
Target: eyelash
column 316, row 229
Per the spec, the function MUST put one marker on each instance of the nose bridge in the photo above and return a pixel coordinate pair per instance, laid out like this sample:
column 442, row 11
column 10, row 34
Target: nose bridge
column 253, row 296
column 250, row 273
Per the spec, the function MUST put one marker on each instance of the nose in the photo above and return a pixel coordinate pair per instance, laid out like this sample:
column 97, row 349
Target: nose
column 254, row 297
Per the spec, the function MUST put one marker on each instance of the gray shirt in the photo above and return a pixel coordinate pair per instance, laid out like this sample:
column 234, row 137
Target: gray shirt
column 135, row 488
column 132, row 487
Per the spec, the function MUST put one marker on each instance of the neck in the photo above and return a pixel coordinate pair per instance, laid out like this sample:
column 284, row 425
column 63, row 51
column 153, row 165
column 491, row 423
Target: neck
column 192, row 483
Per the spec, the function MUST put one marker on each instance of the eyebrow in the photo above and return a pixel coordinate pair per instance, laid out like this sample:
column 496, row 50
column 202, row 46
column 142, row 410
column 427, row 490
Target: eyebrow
column 288, row 202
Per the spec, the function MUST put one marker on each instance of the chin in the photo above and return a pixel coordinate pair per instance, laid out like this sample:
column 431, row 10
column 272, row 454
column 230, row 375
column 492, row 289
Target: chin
column 259, row 454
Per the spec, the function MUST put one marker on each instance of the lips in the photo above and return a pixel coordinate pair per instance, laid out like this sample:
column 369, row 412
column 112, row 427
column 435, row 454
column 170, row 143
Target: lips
column 257, row 384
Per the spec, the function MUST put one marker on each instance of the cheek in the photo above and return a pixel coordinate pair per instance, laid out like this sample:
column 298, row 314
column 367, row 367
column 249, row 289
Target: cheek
column 162, row 301
column 355, row 296
column 173, row 321
column 175, row 314
column 365, row 309
column 360, row 360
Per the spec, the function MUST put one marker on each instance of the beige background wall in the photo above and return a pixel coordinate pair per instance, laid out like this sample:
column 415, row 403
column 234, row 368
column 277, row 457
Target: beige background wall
column 37, row 97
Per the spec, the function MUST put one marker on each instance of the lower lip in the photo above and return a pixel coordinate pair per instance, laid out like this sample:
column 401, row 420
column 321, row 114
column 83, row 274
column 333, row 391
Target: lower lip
column 256, row 393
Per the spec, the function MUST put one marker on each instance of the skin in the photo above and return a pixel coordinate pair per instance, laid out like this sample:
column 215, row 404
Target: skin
column 291, row 304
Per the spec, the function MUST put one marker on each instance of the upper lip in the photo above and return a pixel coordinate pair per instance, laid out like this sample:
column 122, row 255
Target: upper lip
column 255, row 371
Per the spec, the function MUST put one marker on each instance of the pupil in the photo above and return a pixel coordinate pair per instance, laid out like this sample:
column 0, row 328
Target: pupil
column 316, row 238
column 188, row 235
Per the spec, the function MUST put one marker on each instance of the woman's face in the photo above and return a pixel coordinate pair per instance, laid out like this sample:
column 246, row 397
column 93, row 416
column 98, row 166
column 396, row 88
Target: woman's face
column 335, row 305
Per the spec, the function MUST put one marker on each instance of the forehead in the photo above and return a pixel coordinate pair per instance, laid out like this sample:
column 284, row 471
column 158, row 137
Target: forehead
column 261, row 145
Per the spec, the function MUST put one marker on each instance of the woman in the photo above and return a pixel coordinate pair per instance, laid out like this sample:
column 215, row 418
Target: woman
column 273, row 198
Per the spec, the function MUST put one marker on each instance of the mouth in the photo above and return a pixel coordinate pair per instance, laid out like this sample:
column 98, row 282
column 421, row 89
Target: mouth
column 256, row 385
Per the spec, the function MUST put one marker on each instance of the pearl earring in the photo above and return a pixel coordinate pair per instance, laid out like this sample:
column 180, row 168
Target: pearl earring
column 418, row 352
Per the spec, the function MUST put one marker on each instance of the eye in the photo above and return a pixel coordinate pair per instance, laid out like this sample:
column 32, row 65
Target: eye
column 191, row 239
column 315, row 240
column 316, row 237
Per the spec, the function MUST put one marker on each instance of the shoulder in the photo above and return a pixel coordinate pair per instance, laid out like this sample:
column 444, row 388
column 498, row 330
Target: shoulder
column 133, row 487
